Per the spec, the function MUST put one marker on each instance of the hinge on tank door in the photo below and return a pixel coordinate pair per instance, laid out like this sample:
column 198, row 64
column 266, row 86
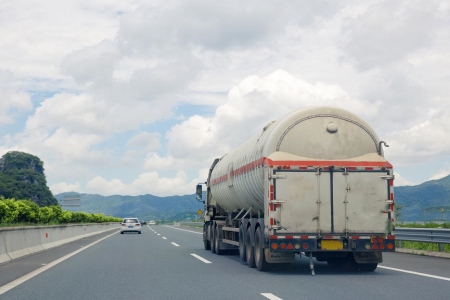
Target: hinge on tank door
column 318, row 171
column 277, row 201
column 275, row 176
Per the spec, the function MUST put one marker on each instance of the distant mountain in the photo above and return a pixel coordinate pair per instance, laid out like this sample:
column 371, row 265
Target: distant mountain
column 429, row 201
column 147, row 207
column 22, row 177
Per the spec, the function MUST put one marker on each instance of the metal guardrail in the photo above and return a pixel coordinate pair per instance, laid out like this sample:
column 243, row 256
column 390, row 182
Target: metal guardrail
column 425, row 235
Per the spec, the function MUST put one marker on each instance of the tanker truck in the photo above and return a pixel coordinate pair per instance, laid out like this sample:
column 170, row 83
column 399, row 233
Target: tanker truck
column 313, row 183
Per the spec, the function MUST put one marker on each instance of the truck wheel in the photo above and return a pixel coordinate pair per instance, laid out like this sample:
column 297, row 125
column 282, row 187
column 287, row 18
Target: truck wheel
column 368, row 267
column 211, row 238
column 250, row 254
column 260, row 259
column 206, row 243
column 334, row 263
column 242, row 249
column 217, row 237
column 349, row 263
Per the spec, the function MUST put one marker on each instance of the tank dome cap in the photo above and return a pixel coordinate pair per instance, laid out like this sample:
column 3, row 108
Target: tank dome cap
column 332, row 127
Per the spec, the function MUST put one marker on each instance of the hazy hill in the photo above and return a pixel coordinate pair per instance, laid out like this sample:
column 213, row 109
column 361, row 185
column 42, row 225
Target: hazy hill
column 145, row 206
column 429, row 201
column 22, row 177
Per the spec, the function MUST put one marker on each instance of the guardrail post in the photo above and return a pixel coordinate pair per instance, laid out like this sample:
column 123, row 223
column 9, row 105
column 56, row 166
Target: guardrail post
column 441, row 247
column 399, row 244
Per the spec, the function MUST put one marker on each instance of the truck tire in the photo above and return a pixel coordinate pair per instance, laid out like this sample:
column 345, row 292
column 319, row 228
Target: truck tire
column 211, row 238
column 217, row 237
column 260, row 258
column 242, row 249
column 249, row 251
column 368, row 267
column 206, row 243
column 349, row 263
column 334, row 262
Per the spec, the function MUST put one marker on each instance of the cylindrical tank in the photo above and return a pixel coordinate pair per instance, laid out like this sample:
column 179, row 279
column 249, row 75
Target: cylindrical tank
column 315, row 133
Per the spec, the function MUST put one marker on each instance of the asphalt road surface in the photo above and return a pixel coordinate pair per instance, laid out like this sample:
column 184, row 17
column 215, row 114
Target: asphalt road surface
column 169, row 262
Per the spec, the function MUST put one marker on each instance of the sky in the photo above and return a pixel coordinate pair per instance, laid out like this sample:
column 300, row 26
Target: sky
column 139, row 97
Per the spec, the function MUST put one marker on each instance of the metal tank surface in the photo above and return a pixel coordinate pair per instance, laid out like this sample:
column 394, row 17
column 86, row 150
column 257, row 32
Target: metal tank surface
column 311, row 134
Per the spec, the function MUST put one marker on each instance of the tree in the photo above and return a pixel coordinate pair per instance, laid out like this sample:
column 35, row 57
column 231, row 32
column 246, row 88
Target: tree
column 22, row 177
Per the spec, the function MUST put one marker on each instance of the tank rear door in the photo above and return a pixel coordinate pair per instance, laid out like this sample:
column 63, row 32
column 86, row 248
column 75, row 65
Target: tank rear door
column 304, row 205
column 360, row 201
column 330, row 201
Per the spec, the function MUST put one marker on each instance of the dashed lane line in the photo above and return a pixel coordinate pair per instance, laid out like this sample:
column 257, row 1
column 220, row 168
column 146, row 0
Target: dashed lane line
column 175, row 244
column 201, row 258
column 271, row 296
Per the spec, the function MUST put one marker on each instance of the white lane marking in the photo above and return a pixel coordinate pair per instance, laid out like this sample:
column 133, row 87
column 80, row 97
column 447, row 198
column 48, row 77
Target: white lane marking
column 184, row 230
column 415, row 273
column 159, row 234
column 30, row 275
column 201, row 258
column 271, row 296
column 175, row 244
column 164, row 238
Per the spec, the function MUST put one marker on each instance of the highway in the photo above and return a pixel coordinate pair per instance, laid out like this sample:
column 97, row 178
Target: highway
column 169, row 262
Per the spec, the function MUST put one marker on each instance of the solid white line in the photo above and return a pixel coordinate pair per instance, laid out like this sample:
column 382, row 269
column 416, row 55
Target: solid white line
column 30, row 275
column 184, row 230
column 201, row 258
column 175, row 244
column 415, row 273
column 165, row 238
column 271, row 296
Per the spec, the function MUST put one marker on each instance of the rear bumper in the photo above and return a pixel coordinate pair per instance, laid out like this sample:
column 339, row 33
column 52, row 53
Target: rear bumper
column 332, row 245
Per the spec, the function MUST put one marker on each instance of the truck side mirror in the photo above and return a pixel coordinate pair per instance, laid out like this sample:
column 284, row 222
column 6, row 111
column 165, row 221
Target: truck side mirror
column 199, row 192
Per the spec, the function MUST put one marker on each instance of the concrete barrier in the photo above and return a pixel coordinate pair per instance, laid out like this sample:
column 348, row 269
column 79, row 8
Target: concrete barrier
column 16, row 242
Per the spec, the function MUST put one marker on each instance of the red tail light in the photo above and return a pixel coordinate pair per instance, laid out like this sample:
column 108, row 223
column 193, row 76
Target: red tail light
column 124, row 224
column 137, row 224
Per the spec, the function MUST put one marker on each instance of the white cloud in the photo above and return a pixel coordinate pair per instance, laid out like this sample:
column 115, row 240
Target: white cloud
column 146, row 183
column 92, row 66
column 400, row 181
column 63, row 187
column 145, row 141
column 440, row 174
column 12, row 99
column 154, row 162
column 251, row 105
column 388, row 31
column 37, row 35
column 422, row 142
column 123, row 75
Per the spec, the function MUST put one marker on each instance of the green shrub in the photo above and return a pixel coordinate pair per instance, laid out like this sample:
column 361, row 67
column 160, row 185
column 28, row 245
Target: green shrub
column 28, row 212
column 23, row 212
column 11, row 211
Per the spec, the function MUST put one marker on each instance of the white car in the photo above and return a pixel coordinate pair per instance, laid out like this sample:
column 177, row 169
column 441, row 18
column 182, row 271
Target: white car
column 130, row 225
column 152, row 222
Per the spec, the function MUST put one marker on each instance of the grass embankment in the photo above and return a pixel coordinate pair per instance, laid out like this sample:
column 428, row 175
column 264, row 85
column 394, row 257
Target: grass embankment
column 429, row 247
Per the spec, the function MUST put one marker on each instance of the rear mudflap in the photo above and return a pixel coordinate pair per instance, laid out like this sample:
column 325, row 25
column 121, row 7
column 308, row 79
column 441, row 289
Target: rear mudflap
column 368, row 257
column 279, row 257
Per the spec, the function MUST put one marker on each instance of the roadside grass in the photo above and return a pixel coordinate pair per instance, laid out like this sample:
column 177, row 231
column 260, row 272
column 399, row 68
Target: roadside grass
column 430, row 247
